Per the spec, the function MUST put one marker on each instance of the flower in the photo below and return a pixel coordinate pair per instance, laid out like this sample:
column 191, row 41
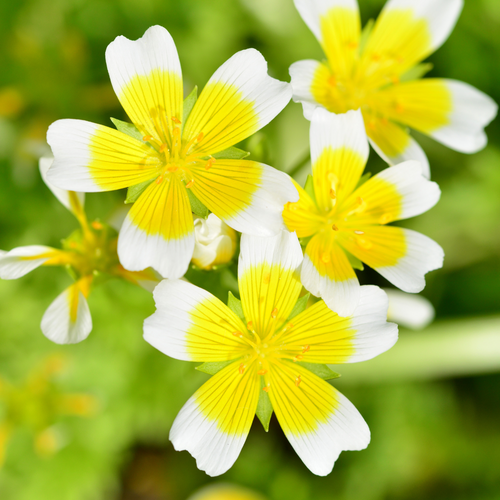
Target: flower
column 345, row 220
column 410, row 311
column 267, row 354
column 225, row 492
column 89, row 254
column 215, row 242
column 378, row 71
column 175, row 152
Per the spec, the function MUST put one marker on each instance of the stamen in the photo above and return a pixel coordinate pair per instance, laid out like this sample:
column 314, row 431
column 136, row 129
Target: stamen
column 274, row 313
column 189, row 184
column 334, row 227
column 238, row 334
column 209, row 163
column 250, row 325
column 333, row 194
column 241, row 369
column 359, row 232
column 265, row 388
column 147, row 138
column 163, row 147
column 299, row 357
column 159, row 179
column 200, row 137
column 261, row 372
column 297, row 381
column 97, row 225
column 305, row 348
column 289, row 326
column 176, row 120
column 172, row 168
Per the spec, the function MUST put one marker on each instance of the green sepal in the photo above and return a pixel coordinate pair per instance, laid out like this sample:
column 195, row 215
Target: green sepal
column 309, row 187
column 363, row 179
column 416, row 72
column 365, row 35
column 235, row 305
column 189, row 102
column 300, row 306
column 231, row 153
column 197, row 206
column 264, row 407
column 133, row 192
column 322, row 371
column 213, row 367
column 128, row 128
column 355, row 262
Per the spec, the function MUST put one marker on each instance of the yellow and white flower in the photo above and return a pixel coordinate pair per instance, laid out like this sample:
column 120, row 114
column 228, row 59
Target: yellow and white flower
column 88, row 254
column 266, row 353
column 346, row 222
column 215, row 242
column 409, row 311
column 378, row 71
column 176, row 152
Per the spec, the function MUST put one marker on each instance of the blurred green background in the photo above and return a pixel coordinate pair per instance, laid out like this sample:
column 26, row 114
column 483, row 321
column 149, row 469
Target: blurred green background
column 432, row 403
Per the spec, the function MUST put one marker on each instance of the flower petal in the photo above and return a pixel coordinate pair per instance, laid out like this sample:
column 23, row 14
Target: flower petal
column 238, row 100
column 73, row 201
column 318, row 421
column 327, row 273
column 158, row 230
column 90, row 157
column 193, row 325
column 268, row 277
column 339, row 151
column 214, row 423
column 248, row 196
column 410, row 311
column 396, row 193
column 20, row 261
column 67, row 320
column 147, row 79
column 307, row 85
column 337, row 26
column 400, row 255
column 332, row 339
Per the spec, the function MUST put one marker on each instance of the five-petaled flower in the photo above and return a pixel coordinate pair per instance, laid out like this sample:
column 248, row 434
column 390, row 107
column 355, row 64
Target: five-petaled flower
column 343, row 220
column 176, row 152
column 267, row 350
column 89, row 254
column 379, row 72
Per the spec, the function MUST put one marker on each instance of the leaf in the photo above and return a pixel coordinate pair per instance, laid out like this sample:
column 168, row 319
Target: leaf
column 363, row 179
column 231, row 153
column 365, row 35
column 128, row 128
column 235, row 305
column 197, row 206
column 322, row 371
column 189, row 102
column 309, row 188
column 213, row 367
column 416, row 72
column 299, row 306
column 264, row 407
column 355, row 262
column 133, row 192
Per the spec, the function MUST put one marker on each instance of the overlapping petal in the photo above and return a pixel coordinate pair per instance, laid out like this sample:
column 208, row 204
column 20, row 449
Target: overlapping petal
column 22, row 260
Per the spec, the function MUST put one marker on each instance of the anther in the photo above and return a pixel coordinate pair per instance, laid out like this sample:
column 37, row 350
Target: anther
column 97, row 225
column 274, row 313
column 266, row 388
column 333, row 194
column 209, row 163
column 305, row 348
column 241, row 369
column 159, row 179
column 189, row 184
column 334, row 227
column 163, row 147
column 238, row 334
column 173, row 168
column 200, row 137
column 147, row 138
column 299, row 357
column 288, row 327
column 176, row 120
column 359, row 232
column 249, row 326
column 298, row 380
column 261, row 372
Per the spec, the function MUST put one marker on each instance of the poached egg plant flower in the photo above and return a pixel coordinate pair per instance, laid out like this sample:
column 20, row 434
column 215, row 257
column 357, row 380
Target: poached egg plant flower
column 378, row 71
column 343, row 220
column 173, row 151
column 89, row 254
column 265, row 353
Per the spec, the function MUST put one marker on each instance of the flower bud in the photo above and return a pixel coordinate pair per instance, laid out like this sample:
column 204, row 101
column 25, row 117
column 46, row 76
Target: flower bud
column 215, row 242
column 409, row 310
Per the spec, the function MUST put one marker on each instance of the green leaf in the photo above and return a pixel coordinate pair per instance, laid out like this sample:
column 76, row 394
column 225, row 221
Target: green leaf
column 231, row 153
column 197, row 206
column 235, row 305
column 133, row 192
column 309, row 188
column 264, row 407
column 322, row 371
column 189, row 102
column 354, row 261
column 365, row 34
column 299, row 306
column 213, row 367
column 363, row 179
column 128, row 128
column 416, row 72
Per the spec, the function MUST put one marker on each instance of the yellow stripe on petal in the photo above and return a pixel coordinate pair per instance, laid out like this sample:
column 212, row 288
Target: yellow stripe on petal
column 164, row 209
column 376, row 246
column 303, row 217
column 336, row 173
column 392, row 139
column 423, row 105
column 118, row 161
column 340, row 33
column 223, row 116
